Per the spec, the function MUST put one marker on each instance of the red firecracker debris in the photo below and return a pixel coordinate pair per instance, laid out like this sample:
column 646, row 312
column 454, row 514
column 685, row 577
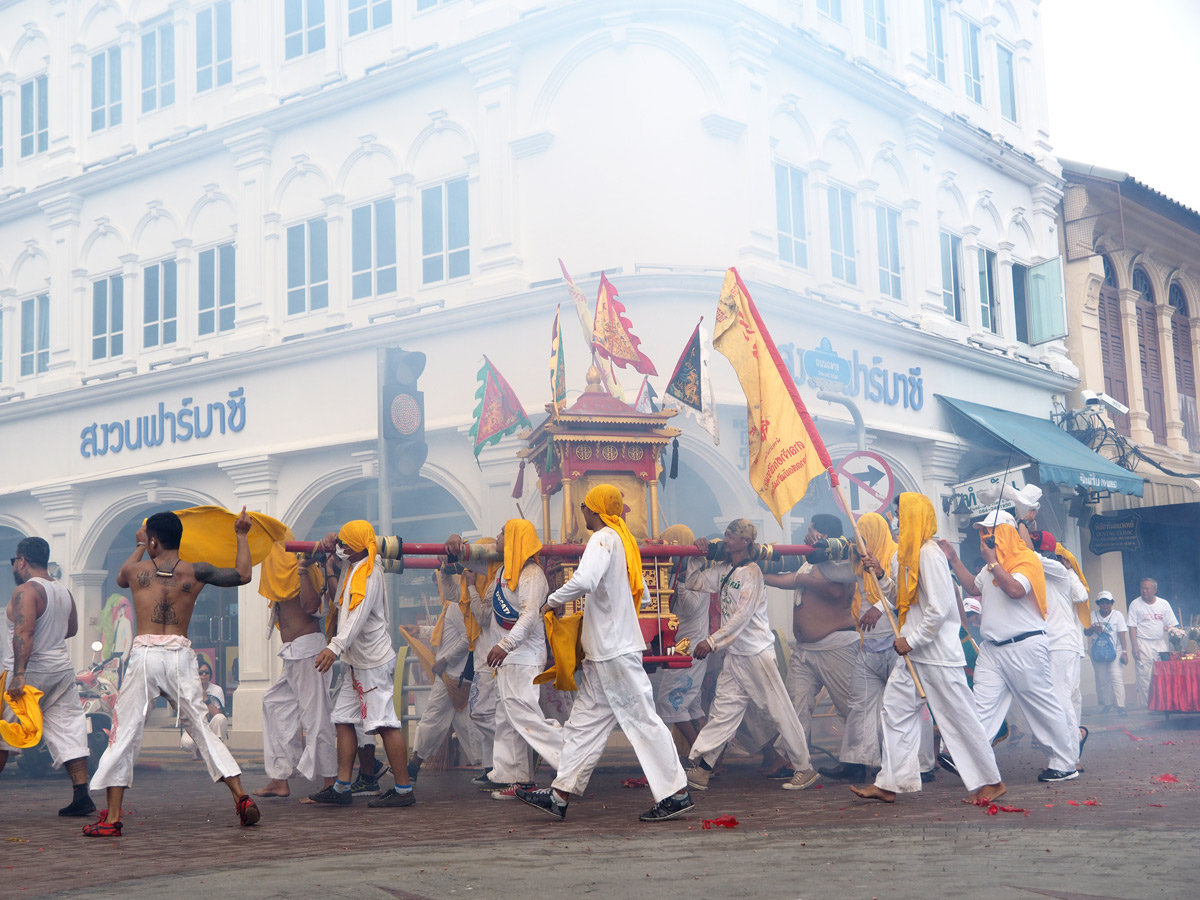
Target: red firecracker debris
column 1159, row 805
column 635, row 782
column 1131, row 735
column 1092, row 801
column 720, row 822
column 1165, row 778
column 1168, row 743
column 993, row 809
column 1073, row 802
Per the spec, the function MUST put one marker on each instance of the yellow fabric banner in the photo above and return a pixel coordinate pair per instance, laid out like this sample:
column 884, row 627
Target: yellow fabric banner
column 208, row 536
column 785, row 450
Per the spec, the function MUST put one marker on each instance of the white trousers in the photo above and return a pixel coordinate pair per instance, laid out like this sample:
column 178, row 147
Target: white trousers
column 436, row 722
column 617, row 692
column 1110, row 683
column 154, row 672
column 1020, row 672
column 294, row 706
column 809, row 670
column 482, row 708
column 1147, row 656
column 521, row 725
column 862, row 740
column 954, row 708
column 747, row 681
column 1064, row 671
column 678, row 692
column 218, row 725
column 64, row 728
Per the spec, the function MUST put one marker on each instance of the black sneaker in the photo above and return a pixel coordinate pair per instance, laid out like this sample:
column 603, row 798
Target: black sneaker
column 482, row 781
column 365, row 787
column 332, row 797
column 1057, row 775
column 544, row 800
column 391, row 798
column 668, row 808
column 851, row 772
column 928, row 776
column 81, row 805
column 947, row 763
column 414, row 769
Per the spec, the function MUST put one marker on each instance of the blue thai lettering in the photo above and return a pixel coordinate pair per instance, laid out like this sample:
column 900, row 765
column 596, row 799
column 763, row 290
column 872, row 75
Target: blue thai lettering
column 153, row 428
column 87, row 441
column 237, row 410
column 129, row 439
column 916, row 388
column 114, row 428
column 185, row 420
column 163, row 415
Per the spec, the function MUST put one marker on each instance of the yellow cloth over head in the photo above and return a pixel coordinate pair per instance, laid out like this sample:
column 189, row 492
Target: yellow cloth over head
column 877, row 537
column 208, row 536
column 606, row 501
column 359, row 535
column 27, row 730
column 918, row 523
column 521, row 544
column 566, row 643
column 1068, row 559
column 1016, row 558
column 279, row 574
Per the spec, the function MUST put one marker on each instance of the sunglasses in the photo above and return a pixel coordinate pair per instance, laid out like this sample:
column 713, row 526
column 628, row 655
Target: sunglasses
column 13, row 561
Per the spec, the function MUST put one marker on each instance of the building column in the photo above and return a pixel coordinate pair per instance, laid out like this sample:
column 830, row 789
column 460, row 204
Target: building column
column 87, row 587
column 921, row 240
column 63, row 214
column 939, row 470
column 63, row 510
column 1166, row 352
column 1139, row 416
column 255, row 485
column 749, row 56
column 257, row 262
column 338, row 258
column 1006, row 310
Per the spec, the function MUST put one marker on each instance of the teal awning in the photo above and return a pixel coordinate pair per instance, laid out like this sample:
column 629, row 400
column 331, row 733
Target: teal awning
column 1059, row 457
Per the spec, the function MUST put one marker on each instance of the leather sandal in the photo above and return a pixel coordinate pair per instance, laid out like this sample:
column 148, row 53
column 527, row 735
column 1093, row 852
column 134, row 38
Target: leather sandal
column 247, row 810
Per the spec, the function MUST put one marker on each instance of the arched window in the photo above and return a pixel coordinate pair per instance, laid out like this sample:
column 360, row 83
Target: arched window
column 1112, row 344
column 1185, row 375
column 1149, row 354
column 1110, row 277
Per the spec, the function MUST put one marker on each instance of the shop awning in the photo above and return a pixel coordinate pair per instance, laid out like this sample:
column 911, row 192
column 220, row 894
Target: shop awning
column 1059, row 457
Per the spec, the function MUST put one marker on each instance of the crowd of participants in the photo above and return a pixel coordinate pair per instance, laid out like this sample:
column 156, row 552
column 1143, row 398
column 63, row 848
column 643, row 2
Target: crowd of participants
column 912, row 647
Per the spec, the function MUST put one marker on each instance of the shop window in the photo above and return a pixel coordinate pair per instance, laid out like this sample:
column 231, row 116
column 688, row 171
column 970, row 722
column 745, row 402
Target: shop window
column 445, row 232
column 951, row 245
column 789, row 215
column 106, row 88
column 35, row 116
column 160, row 304
column 373, row 249
column 158, row 68
column 841, row 235
column 214, row 46
column 108, row 317
column 887, row 232
column 303, row 27
column 987, row 290
column 367, row 15
column 35, row 335
column 307, row 267
column 216, row 294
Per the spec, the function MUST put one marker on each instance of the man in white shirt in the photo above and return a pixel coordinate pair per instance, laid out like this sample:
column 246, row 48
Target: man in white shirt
column 929, row 624
column 519, row 657
column 363, row 643
column 678, row 690
column 615, row 689
column 749, row 675
column 1109, row 625
column 1150, row 617
column 1014, row 656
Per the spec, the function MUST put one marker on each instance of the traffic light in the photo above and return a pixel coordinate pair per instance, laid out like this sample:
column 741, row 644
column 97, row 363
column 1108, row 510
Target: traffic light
column 403, row 414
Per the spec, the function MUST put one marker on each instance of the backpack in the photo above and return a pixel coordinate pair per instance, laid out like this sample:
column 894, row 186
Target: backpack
column 1103, row 648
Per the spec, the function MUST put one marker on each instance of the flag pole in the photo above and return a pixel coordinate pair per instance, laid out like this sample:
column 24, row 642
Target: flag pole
column 867, row 573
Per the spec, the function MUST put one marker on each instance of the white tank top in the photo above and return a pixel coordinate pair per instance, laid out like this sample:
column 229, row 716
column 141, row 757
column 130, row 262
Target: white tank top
column 50, row 652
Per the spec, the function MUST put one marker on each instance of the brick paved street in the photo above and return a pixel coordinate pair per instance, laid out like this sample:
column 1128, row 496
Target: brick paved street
column 182, row 837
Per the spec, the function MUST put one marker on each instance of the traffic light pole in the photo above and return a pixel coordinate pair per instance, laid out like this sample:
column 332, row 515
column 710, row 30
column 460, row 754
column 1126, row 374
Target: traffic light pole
column 384, row 464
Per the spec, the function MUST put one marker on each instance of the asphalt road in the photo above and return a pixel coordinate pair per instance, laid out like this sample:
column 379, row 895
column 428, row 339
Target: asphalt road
column 1137, row 839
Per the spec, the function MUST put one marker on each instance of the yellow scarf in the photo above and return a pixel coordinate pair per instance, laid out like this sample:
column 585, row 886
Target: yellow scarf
column 464, row 607
column 27, row 730
column 358, row 536
column 918, row 523
column 877, row 536
column 521, row 544
column 607, row 502
column 1068, row 559
column 483, row 584
column 279, row 574
column 208, row 536
column 1017, row 558
column 566, row 643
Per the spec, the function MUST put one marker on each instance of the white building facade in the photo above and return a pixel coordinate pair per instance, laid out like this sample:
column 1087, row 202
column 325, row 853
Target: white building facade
column 212, row 215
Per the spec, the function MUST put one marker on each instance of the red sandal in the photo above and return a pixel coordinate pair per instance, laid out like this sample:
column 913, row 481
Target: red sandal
column 247, row 810
column 103, row 829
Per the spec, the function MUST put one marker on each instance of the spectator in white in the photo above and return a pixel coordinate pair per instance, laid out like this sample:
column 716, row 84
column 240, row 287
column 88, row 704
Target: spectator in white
column 1014, row 657
column 1109, row 656
column 1150, row 616
column 213, row 697
column 1064, row 591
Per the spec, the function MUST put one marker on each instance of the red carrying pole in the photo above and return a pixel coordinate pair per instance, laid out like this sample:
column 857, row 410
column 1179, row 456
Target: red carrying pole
column 650, row 551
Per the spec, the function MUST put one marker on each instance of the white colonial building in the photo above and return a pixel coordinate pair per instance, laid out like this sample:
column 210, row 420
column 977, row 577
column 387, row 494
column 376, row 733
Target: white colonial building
column 212, row 215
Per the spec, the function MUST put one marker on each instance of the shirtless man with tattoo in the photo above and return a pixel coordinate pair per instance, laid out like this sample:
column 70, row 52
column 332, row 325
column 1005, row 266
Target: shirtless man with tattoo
column 43, row 615
column 822, row 621
column 162, row 662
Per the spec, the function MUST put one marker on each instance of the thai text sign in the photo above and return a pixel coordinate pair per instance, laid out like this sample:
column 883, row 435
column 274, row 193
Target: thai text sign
column 190, row 421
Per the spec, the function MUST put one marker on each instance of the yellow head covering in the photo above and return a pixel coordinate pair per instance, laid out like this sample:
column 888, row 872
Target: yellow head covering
column 606, row 501
column 877, row 536
column 358, row 536
column 27, row 730
column 678, row 534
column 521, row 544
column 1068, row 559
column 918, row 523
column 208, row 536
column 1016, row 557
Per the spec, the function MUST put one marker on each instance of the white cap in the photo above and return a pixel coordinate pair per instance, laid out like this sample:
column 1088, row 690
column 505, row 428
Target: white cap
column 997, row 517
column 1104, row 595
column 971, row 605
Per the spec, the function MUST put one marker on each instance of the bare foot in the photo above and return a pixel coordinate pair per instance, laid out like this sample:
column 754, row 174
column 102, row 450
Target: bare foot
column 870, row 792
column 989, row 793
column 276, row 787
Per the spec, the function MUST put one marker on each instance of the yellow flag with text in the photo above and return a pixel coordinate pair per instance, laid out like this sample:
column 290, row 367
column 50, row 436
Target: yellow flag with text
column 785, row 450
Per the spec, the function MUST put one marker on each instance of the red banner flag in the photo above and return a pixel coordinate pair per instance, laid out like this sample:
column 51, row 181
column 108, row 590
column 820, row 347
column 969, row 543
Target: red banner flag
column 499, row 411
column 612, row 335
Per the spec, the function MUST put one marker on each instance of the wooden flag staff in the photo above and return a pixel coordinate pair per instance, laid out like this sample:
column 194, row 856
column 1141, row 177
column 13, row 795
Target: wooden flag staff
column 867, row 573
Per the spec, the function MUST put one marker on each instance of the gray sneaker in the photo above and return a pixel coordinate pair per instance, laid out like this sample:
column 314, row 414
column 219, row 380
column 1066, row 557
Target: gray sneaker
column 365, row 787
column 804, row 778
column 697, row 778
column 332, row 797
column 392, row 798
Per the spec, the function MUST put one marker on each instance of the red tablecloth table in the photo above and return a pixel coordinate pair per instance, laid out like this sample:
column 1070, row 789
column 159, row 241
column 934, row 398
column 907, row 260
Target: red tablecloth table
column 1175, row 686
